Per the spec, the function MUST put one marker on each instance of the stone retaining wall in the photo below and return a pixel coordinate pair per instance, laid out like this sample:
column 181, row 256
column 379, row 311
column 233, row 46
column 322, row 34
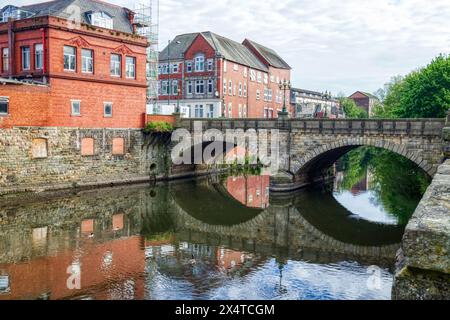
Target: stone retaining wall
column 423, row 269
column 38, row 158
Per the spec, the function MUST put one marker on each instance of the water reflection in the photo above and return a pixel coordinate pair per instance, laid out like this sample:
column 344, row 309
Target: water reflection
column 213, row 238
column 379, row 186
column 203, row 239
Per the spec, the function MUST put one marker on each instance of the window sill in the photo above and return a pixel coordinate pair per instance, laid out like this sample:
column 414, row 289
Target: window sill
column 75, row 115
column 4, row 114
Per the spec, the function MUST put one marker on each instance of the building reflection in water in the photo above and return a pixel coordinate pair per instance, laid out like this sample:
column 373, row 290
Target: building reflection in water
column 137, row 243
column 251, row 191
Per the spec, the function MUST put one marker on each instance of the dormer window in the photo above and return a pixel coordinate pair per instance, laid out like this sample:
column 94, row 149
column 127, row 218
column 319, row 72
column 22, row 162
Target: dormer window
column 101, row 19
column 15, row 13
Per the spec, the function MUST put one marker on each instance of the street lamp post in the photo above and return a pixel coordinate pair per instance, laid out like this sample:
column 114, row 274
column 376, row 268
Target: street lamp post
column 285, row 86
column 178, row 100
column 327, row 97
column 168, row 70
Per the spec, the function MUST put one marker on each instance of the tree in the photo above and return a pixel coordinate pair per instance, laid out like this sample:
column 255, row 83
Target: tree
column 424, row 93
column 350, row 108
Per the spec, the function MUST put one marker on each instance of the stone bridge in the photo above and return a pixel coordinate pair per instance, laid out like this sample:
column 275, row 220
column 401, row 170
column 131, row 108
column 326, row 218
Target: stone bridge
column 309, row 146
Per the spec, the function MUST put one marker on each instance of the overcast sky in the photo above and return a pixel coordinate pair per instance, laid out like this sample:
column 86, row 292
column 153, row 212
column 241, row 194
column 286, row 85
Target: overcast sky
column 345, row 45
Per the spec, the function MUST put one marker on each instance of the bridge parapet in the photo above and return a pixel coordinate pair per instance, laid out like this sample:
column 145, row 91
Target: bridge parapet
column 412, row 127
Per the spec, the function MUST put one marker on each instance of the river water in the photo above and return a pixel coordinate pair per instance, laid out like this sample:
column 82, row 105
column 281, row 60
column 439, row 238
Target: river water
column 220, row 237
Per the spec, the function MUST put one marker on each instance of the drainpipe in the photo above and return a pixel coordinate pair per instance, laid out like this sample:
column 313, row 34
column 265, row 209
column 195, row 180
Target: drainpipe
column 11, row 47
column 44, row 52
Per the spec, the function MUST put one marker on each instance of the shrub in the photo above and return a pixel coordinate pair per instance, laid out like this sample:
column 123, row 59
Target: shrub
column 158, row 127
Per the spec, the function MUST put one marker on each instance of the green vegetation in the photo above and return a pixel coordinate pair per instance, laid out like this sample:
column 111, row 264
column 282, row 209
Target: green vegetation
column 351, row 109
column 158, row 127
column 398, row 183
column 424, row 93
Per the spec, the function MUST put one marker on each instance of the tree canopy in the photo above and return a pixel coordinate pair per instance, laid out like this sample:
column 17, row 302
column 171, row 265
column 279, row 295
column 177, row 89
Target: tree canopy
column 351, row 110
column 424, row 93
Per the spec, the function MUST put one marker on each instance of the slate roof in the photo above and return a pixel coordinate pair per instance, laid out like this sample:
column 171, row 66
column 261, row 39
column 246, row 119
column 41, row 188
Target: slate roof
column 61, row 8
column 229, row 49
column 270, row 55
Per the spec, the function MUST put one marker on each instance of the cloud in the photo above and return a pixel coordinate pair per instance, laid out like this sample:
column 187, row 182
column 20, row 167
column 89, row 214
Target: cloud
column 332, row 45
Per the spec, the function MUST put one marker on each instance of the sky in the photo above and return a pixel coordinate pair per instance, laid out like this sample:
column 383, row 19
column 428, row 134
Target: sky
column 339, row 46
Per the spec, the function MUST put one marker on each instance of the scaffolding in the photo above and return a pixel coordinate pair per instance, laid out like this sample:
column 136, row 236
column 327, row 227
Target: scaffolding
column 147, row 24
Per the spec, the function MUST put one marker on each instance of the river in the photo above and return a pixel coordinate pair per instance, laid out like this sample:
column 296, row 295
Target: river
column 219, row 237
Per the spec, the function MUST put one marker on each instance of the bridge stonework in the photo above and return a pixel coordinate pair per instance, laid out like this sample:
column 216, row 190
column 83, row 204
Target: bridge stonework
column 306, row 143
column 308, row 146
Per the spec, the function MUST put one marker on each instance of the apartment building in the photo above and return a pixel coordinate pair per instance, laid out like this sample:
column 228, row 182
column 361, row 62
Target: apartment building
column 71, row 63
column 206, row 75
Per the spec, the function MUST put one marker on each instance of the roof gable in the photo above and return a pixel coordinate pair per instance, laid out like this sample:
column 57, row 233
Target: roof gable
column 270, row 57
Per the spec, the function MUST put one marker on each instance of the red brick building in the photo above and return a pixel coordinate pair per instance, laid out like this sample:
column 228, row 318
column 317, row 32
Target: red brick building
column 365, row 101
column 211, row 76
column 72, row 64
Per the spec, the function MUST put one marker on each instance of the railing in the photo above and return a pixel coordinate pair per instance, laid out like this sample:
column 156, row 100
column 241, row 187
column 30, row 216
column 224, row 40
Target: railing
column 419, row 127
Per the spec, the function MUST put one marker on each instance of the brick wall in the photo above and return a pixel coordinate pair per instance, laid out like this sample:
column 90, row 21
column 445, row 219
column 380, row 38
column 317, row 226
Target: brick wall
column 29, row 106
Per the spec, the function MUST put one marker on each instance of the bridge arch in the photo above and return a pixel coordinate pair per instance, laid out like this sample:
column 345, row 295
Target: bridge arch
column 325, row 155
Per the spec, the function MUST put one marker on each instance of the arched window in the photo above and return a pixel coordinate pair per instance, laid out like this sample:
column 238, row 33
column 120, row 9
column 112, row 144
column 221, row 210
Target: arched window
column 199, row 63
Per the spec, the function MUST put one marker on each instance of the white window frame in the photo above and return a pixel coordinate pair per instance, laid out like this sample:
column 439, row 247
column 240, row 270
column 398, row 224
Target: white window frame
column 236, row 67
column 85, row 61
column 116, row 65
column 230, row 110
column 225, row 66
column 210, row 63
column 190, row 88
column 240, row 89
column 39, row 56
column 5, row 100
column 259, row 76
column 258, row 94
column 26, row 57
column 104, row 109
column 175, row 68
column 175, row 87
column 245, row 90
column 72, row 59
column 198, row 111
column 210, row 86
column 164, row 86
column 225, row 86
column 189, row 66
column 252, row 75
column 72, row 102
column 199, row 84
column 199, row 63
column 130, row 68
column 230, row 87
column 5, row 59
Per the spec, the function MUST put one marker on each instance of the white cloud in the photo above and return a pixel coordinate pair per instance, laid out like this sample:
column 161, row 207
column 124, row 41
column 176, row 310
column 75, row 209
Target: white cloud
column 331, row 45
